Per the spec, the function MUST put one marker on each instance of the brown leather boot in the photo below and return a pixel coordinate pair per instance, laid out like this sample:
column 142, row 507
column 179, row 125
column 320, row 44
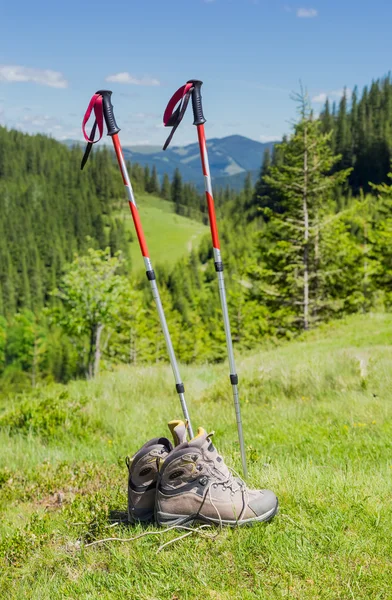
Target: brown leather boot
column 195, row 485
column 143, row 477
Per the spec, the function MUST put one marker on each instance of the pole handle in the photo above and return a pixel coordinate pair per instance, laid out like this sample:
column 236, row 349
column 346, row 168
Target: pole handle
column 197, row 102
column 108, row 113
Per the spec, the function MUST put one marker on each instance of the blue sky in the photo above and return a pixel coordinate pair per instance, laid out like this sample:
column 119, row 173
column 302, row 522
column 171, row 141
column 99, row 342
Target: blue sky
column 250, row 54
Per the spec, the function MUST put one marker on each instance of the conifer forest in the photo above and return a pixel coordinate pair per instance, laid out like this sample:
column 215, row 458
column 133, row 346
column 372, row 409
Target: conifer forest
column 311, row 241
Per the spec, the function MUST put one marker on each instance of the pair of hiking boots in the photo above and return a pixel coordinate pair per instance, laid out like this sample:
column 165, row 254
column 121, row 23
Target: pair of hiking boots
column 190, row 483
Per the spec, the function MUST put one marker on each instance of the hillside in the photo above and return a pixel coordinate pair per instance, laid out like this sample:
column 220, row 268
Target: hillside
column 317, row 420
column 49, row 208
column 169, row 236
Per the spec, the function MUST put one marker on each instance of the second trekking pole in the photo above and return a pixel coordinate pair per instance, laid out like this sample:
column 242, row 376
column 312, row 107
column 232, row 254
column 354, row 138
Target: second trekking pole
column 103, row 108
column 172, row 118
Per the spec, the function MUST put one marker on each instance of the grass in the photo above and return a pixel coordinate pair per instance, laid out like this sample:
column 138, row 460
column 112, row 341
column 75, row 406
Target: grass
column 317, row 418
column 169, row 236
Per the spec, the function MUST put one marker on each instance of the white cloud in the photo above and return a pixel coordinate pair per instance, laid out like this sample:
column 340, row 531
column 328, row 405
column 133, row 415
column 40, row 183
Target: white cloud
column 130, row 79
column 320, row 97
column 17, row 73
column 269, row 138
column 334, row 95
column 307, row 13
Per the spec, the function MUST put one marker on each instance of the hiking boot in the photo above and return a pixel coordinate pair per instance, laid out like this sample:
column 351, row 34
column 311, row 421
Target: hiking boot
column 195, row 485
column 142, row 479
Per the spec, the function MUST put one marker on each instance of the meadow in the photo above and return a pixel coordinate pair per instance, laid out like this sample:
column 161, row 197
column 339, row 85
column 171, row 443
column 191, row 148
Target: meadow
column 317, row 419
column 170, row 236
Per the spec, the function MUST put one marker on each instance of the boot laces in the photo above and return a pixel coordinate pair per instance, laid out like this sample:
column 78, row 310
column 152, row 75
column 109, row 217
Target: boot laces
column 232, row 479
column 228, row 480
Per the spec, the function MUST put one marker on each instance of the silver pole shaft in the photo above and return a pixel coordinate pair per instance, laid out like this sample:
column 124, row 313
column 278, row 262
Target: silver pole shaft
column 226, row 320
column 155, row 292
column 169, row 345
column 230, row 352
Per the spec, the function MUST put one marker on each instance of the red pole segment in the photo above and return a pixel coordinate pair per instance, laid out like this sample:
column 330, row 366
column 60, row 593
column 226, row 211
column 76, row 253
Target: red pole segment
column 101, row 101
column 131, row 198
column 172, row 118
column 208, row 188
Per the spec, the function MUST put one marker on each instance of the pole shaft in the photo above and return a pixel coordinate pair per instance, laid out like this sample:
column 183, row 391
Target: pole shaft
column 222, row 289
column 151, row 277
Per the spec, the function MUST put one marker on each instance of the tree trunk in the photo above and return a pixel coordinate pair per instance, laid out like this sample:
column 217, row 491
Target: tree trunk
column 94, row 355
column 316, row 269
column 306, row 234
column 97, row 355
column 34, row 369
column 365, row 267
column 132, row 347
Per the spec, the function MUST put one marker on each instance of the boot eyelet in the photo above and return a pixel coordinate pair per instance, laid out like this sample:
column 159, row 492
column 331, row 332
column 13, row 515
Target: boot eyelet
column 224, row 488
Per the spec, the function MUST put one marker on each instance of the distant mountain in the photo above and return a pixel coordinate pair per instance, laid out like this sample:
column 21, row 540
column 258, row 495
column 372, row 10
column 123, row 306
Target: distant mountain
column 230, row 159
column 235, row 182
column 229, row 156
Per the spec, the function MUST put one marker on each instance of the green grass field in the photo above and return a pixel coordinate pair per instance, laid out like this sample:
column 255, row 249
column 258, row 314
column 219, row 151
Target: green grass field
column 317, row 419
column 169, row 236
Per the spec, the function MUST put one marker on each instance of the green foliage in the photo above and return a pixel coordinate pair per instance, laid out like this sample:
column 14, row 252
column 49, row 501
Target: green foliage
column 51, row 418
column 166, row 188
column 153, row 186
column 380, row 254
column 27, row 345
column 296, row 270
column 91, row 293
column 3, row 342
column 176, row 190
column 362, row 133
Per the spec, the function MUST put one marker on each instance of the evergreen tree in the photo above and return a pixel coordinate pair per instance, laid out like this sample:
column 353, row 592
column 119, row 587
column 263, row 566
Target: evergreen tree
column 153, row 185
column 147, row 178
column 248, row 188
column 176, row 191
column 288, row 272
column 380, row 235
column 166, row 188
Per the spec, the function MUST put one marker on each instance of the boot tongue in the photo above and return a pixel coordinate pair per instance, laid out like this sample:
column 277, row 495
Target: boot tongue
column 200, row 439
column 178, row 431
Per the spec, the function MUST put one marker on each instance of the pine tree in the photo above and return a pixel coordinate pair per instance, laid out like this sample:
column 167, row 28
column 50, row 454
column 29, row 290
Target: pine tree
column 289, row 247
column 262, row 194
column 176, row 191
column 381, row 241
column 147, row 178
column 248, row 188
column 153, row 185
column 166, row 188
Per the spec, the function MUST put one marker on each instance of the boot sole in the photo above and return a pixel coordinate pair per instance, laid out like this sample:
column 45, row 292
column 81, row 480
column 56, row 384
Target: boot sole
column 146, row 517
column 168, row 520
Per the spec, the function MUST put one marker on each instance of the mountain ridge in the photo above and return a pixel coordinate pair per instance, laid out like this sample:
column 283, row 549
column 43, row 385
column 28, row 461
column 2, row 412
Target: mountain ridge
column 230, row 158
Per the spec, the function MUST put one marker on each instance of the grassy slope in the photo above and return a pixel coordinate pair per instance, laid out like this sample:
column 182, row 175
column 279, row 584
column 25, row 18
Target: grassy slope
column 169, row 236
column 317, row 417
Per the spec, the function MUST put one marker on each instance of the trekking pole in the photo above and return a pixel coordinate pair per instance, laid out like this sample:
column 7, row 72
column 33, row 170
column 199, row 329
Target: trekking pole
column 172, row 118
column 103, row 109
